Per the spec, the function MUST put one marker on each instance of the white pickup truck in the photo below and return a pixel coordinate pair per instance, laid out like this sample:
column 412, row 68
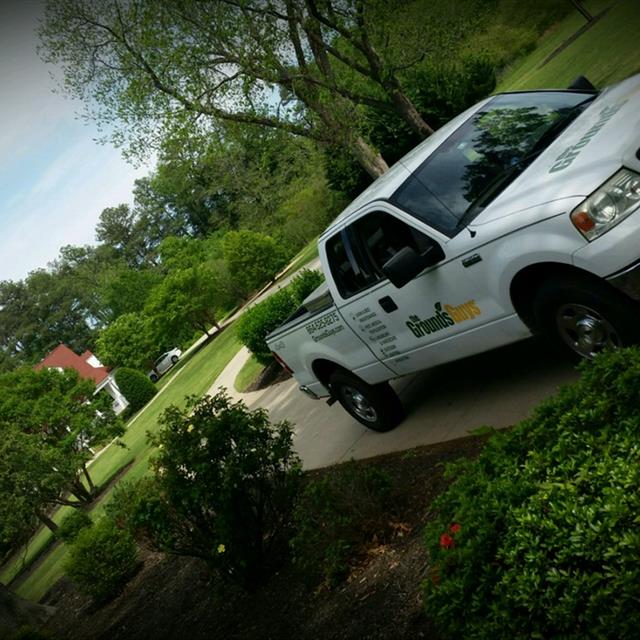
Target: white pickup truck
column 519, row 216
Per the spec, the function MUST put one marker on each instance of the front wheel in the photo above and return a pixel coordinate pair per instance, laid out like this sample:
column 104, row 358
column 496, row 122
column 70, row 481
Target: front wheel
column 377, row 407
column 588, row 317
column 174, row 359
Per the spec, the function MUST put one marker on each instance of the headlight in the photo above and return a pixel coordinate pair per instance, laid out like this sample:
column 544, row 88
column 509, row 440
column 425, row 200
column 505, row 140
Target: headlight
column 609, row 205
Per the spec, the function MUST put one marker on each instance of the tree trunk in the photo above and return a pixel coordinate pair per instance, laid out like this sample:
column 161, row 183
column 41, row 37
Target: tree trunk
column 47, row 521
column 92, row 487
column 369, row 158
column 407, row 110
column 78, row 490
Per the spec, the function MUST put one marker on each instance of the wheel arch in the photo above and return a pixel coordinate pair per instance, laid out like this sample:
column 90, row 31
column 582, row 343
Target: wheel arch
column 323, row 369
column 530, row 278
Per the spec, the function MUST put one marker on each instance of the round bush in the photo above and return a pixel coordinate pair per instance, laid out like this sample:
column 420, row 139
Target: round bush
column 101, row 560
column 136, row 387
column 538, row 538
column 71, row 526
column 259, row 321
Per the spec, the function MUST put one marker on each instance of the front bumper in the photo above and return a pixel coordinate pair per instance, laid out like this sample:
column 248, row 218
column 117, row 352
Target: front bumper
column 627, row 280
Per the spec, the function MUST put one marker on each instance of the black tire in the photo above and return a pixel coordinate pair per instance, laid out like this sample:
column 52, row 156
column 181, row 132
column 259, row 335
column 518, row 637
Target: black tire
column 586, row 316
column 174, row 359
column 153, row 377
column 377, row 407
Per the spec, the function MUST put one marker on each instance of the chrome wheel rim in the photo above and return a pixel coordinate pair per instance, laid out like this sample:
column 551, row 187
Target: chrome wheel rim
column 586, row 331
column 359, row 404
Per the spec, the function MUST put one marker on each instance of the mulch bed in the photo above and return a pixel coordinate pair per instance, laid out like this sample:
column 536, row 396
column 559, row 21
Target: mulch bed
column 174, row 597
column 272, row 374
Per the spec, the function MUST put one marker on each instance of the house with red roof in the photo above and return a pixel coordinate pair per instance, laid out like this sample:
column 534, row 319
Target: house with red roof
column 88, row 367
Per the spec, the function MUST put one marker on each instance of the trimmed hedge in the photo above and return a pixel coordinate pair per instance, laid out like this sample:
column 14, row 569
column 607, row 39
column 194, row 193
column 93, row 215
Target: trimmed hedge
column 101, row 560
column 539, row 537
column 136, row 387
column 257, row 322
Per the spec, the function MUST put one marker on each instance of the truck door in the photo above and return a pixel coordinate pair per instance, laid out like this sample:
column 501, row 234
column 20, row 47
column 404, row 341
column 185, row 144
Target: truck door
column 429, row 320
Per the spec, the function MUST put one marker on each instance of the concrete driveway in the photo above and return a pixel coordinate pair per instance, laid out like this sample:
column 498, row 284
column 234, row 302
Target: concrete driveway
column 498, row 389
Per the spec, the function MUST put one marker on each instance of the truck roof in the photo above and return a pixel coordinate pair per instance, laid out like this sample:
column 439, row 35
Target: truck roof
column 387, row 183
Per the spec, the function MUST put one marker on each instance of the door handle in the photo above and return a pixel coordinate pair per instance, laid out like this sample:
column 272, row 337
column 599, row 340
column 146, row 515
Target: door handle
column 388, row 304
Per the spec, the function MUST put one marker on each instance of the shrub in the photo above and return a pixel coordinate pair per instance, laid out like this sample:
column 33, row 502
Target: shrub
column 226, row 480
column 334, row 515
column 256, row 323
column 71, row 526
column 101, row 560
column 305, row 283
column 136, row 387
column 138, row 507
column 546, row 542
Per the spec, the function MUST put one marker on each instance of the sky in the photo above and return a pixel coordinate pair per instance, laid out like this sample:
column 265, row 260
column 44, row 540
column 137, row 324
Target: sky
column 54, row 178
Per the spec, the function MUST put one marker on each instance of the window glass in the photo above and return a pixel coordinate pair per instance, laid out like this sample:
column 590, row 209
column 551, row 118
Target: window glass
column 484, row 155
column 382, row 236
column 350, row 274
column 357, row 254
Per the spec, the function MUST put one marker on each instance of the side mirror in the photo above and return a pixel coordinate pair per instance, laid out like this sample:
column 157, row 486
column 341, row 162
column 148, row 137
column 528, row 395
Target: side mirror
column 408, row 263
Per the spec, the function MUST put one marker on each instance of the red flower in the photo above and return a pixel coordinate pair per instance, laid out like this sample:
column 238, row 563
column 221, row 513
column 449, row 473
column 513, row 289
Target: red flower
column 446, row 541
column 455, row 528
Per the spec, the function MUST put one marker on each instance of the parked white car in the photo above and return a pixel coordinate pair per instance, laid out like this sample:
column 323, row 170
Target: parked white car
column 164, row 363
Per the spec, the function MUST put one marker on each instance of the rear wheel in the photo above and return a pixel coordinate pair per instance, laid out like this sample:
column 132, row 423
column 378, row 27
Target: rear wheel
column 153, row 377
column 377, row 407
column 586, row 316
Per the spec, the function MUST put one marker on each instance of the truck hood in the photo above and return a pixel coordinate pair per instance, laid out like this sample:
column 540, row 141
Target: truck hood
column 590, row 150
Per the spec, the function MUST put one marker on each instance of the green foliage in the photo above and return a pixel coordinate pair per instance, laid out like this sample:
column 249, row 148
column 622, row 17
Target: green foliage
column 190, row 299
column 127, row 342
column 335, row 515
column 49, row 420
column 260, row 320
column 305, row 283
column 226, row 479
column 136, row 387
column 253, row 259
column 548, row 538
column 102, row 560
column 309, row 205
column 72, row 525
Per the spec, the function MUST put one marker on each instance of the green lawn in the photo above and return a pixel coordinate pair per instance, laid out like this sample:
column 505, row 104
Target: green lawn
column 607, row 52
column 247, row 374
column 195, row 377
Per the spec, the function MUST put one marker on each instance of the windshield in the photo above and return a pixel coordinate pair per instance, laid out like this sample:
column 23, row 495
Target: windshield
column 485, row 154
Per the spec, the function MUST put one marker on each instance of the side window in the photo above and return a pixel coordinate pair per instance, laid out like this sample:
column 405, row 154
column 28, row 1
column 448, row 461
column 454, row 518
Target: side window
column 357, row 254
column 350, row 270
column 383, row 235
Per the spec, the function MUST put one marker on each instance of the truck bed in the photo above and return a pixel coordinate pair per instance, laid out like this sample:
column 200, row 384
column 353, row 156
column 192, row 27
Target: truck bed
column 316, row 302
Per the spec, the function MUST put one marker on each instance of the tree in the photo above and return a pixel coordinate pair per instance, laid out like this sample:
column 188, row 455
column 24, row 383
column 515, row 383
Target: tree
column 127, row 342
column 48, row 421
column 125, row 290
column 115, row 56
column 39, row 313
column 189, row 299
column 253, row 258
